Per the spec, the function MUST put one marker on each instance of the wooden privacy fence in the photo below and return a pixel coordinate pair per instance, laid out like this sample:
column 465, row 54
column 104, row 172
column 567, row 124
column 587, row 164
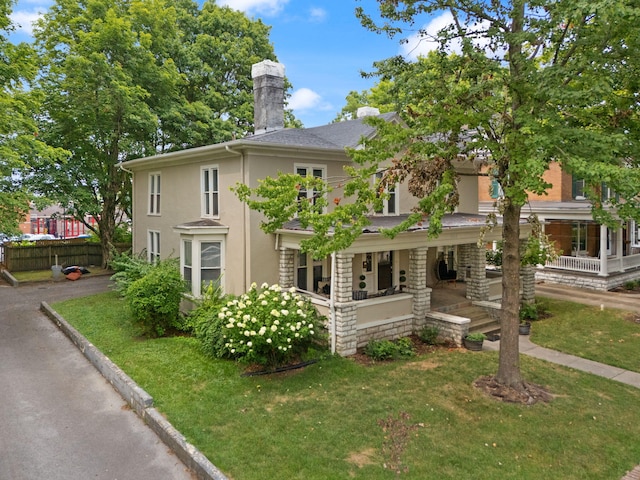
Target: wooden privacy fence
column 42, row 255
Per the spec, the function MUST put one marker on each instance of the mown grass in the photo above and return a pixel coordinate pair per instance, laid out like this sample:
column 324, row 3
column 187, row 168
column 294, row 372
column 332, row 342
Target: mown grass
column 608, row 336
column 45, row 275
column 322, row 422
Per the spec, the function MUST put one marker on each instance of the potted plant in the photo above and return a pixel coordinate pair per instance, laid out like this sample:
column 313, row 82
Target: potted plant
column 362, row 293
column 473, row 341
column 528, row 312
column 402, row 279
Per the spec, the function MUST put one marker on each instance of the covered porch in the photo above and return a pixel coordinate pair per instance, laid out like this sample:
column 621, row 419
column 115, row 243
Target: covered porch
column 594, row 256
column 399, row 277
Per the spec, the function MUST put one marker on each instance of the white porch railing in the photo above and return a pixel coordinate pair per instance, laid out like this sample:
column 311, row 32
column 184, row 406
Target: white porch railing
column 577, row 264
column 592, row 265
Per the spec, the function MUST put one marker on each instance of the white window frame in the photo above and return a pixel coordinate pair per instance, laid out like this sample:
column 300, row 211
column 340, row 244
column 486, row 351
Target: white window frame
column 309, row 171
column 210, row 200
column 393, row 196
column 153, row 246
column 634, row 229
column 155, row 184
column 196, row 237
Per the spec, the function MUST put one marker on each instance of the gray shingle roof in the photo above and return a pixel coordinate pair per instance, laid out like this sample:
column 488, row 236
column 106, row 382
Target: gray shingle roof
column 338, row 135
column 379, row 222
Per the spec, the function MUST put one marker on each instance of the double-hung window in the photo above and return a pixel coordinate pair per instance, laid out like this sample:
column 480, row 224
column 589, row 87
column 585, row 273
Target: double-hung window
column 210, row 192
column 578, row 188
column 153, row 246
column 154, row 193
column 202, row 257
column 390, row 202
column 315, row 171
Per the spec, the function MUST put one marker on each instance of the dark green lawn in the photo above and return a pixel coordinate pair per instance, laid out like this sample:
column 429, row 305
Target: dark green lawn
column 323, row 422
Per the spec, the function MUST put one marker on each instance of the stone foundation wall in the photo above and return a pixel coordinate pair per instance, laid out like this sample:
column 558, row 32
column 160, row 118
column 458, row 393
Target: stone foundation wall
column 592, row 282
column 452, row 327
column 387, row 331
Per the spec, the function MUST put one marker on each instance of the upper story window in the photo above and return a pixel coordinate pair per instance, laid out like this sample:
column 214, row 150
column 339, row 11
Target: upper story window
column 153, row 246
column 209, row 187
column 496, row 189
column 154, row 193
column 578, row 189
column 316, row 171
column 390, row 203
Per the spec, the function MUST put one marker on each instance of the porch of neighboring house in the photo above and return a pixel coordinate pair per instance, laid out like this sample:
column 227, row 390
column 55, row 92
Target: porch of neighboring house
column 403, row 291
column 583, row 264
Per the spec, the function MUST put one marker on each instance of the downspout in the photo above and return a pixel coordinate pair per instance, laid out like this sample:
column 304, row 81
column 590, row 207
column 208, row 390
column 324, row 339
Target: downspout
column 133, row 230
column 332, row 302
column 244, row 221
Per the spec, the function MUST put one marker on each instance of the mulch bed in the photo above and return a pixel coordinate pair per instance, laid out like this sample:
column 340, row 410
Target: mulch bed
column 528, row 394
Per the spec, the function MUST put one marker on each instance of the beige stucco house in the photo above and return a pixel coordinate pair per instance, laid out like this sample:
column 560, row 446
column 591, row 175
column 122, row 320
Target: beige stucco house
column 183, row 207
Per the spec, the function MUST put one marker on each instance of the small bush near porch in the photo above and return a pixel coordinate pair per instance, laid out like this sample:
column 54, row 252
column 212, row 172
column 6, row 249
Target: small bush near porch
column 339, row 419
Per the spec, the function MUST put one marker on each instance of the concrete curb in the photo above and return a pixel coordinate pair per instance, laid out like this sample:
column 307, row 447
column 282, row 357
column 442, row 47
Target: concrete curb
column 139, row 400
column 9, row 278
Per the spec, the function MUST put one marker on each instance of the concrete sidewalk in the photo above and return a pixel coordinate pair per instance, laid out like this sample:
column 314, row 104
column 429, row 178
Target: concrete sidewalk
column 621, row 301
column 613, row 373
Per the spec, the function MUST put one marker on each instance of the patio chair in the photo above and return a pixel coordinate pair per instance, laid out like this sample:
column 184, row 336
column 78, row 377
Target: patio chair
column 444, row 274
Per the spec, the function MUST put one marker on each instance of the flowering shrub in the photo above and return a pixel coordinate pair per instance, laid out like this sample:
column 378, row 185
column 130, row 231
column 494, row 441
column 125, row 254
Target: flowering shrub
column 269, row 326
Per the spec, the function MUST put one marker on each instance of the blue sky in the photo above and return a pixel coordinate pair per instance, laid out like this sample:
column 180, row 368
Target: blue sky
column 321, row 44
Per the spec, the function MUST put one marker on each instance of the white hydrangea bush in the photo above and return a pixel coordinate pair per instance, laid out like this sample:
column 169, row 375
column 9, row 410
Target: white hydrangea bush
column 270, row 326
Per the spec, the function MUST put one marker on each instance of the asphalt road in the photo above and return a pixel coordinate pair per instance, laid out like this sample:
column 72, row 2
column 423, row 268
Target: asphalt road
column 59, row 418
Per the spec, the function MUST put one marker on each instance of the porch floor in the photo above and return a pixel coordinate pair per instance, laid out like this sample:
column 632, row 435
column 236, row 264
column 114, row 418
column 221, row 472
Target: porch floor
column 446, row 296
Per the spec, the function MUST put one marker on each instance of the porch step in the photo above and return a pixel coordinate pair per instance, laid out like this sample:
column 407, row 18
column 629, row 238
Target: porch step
column 480, row 321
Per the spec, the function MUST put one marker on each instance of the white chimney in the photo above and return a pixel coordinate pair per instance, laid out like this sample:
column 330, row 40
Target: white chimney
column 268, row 96
column 367, row 112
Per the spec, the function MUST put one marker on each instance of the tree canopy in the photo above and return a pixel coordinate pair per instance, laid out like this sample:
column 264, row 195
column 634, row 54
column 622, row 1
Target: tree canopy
column 127, row 79
column 18, row 131
column 512, row 86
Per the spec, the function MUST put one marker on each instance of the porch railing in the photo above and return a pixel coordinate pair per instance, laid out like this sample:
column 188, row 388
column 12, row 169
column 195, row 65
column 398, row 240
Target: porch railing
column 577, row 264
column 592, row 265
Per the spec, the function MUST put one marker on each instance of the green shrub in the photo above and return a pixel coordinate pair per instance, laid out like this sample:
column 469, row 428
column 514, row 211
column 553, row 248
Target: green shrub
column 155, row 298
column 204, row 323
column 270, row 326
column 429, row 334
column 128, row 268
column 528, row 311
column 386, row 349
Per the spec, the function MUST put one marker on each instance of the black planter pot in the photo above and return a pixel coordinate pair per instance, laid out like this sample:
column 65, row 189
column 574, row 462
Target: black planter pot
column 473, row 345
column 525, row 328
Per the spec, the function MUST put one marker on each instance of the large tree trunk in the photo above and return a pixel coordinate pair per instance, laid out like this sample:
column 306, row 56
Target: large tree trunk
column 509, row 362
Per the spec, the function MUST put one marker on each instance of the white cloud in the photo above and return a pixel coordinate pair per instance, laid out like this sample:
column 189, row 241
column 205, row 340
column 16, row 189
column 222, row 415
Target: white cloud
column 317, row 14
column 23, row 20
column 427, row 40
column 264, row 7
column 307, row 99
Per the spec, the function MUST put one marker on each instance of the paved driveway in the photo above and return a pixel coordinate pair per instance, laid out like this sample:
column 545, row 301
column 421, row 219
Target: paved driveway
column 59, row 418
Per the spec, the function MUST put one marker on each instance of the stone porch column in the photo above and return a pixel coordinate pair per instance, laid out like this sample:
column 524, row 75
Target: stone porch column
column 417, row 286
column 346, row 309
column 464, row 261
column 477, row 284
column 287, row 267
column 528, row 284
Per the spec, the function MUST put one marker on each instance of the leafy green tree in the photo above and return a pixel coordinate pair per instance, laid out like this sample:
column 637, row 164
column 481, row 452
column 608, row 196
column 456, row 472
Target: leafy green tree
column 127, row 79
column 534, row 83
column 18, row 130
column 380, row 96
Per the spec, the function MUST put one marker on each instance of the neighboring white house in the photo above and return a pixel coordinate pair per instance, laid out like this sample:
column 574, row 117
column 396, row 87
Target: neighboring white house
column 183, row 207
